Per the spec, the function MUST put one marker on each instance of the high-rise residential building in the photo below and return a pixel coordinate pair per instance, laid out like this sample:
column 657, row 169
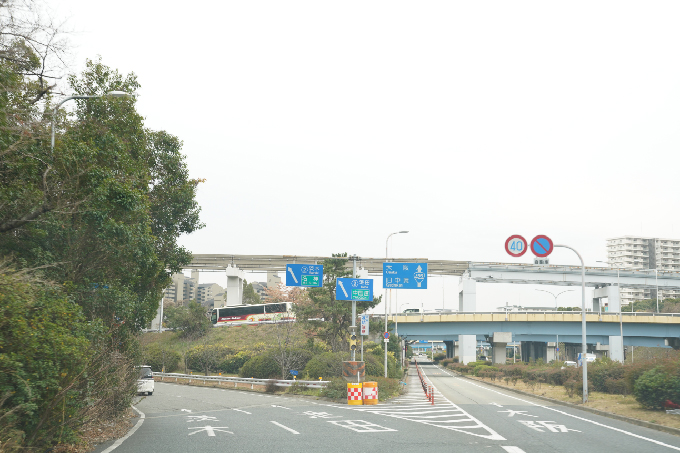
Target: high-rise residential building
column 184, row 289
column 635, row 252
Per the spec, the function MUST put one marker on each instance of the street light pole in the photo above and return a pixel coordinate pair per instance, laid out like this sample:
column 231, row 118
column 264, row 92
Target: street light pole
column 386, row 257
column 584, row 346
column 555, row 295
column 113, row 94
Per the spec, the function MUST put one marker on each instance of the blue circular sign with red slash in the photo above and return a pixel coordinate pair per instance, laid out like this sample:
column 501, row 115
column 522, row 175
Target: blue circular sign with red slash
column 386, row 335
column 516, row 245
column 541, row 246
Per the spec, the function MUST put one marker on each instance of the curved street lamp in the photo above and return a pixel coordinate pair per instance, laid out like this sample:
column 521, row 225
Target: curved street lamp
column 110, row 94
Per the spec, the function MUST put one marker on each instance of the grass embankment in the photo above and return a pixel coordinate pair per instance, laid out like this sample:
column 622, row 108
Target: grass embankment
column 623, row 405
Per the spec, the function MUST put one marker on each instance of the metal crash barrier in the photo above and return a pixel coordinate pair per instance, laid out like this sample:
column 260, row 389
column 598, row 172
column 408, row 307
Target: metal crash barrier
column 239, row 380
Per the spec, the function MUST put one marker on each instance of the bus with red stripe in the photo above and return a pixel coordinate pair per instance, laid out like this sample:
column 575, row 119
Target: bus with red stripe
column 252, row 314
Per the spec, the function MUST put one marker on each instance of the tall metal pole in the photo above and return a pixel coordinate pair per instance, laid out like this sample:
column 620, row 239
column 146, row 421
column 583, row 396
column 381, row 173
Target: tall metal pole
column 390, row 292
column 354, row 306
column 584, row 346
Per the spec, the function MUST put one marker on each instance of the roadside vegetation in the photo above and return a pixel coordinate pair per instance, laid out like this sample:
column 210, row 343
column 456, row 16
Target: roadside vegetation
column 88, row 235
column 643, row 389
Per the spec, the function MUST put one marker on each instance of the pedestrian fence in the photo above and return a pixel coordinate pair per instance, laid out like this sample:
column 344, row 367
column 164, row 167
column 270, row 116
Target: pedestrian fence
column 224, row 380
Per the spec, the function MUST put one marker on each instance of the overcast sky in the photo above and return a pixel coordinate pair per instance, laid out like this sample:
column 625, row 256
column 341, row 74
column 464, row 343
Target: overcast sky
column 321, row 127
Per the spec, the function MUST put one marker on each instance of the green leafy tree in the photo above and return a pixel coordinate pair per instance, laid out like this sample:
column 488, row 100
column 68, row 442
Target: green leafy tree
column 250, row 296
column 190, row 320
column 321, row 304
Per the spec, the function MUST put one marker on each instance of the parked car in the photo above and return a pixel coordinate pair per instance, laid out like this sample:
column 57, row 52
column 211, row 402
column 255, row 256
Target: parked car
column 145, row 382
column 570, row 363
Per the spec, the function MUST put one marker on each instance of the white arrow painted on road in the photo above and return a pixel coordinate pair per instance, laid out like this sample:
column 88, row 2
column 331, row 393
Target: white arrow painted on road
column 210, row 430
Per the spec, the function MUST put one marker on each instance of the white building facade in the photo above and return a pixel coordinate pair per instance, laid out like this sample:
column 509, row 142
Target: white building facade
column 637, row 252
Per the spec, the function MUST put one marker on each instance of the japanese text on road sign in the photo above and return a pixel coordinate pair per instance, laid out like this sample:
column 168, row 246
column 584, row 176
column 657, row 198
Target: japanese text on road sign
column 405, row 275
column 309, row 275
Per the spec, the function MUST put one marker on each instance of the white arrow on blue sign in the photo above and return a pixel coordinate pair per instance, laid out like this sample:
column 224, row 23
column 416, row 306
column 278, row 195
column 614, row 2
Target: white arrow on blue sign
column 354, row 289
column 405, row 275
column 308, row 275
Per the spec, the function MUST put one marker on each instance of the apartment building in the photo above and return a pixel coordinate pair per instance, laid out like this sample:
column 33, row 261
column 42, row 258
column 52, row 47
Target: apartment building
column 636, row 252
column 184, row 289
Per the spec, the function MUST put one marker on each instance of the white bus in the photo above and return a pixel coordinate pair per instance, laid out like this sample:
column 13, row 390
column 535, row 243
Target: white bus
column 252, row 314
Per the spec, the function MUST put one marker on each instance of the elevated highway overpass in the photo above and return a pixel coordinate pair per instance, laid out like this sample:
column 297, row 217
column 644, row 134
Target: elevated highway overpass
column 541, row 332
column 468, row 325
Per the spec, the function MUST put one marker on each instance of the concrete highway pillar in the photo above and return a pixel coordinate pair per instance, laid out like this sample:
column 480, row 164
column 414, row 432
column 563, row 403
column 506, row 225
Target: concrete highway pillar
column 500, row 342
column 616, row 348
column 449, row 349
column 234, row 286
column 467, row 350
column 467, row 295
column 550, row 352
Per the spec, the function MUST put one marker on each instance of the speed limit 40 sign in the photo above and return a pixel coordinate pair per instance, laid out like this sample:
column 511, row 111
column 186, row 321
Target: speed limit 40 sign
column 516, row 245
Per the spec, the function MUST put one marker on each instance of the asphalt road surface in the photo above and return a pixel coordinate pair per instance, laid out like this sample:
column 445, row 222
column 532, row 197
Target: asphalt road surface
column 466, row 416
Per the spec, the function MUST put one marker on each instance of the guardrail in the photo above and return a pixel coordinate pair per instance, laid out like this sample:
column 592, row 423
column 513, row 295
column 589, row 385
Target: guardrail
column 547, row 312
column 239, row 380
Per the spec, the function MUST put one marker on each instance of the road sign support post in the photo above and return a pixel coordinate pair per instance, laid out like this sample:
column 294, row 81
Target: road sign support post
column 354, row 303
column 584, row 346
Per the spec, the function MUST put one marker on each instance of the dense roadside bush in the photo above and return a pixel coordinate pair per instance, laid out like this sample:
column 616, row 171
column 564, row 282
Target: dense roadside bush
column 158, row 357
column 327, row 365
column 233, row 364
column 658, row 385
column 57, row 370
column 261, row 367
column 189, row 320
column 439, row 357
column 207, row 357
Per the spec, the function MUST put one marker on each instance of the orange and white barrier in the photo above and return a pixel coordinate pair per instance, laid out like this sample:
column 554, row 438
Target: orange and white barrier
column 370, row 393
column 354, row 394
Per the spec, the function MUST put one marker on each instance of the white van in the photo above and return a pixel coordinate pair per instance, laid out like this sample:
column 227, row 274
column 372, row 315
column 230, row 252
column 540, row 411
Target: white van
column 145, row 381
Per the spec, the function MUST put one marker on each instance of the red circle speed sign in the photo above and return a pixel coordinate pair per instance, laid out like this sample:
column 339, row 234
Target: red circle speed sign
column 516, row 245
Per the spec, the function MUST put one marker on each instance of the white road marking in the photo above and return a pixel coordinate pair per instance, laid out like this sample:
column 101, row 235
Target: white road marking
column 574, row 416
column 285, row 427
column 443, row 414
column 210, row 430
column 117, row 443
column 185, row 410
column 496, row 404
column 282, row 407
column 361, row 426
column 513, row 449
column 245, row 412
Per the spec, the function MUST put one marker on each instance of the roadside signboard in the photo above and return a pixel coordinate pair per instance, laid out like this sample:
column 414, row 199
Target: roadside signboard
column 294, row 372
column 386, row 335
column 308, row 275
column 354, row 289
column 405, row 275
column 541, row 246
column 516, row 245
column 364, row 324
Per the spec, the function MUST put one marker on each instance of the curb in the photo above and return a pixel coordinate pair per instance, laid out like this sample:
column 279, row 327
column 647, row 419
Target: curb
column 633, row 421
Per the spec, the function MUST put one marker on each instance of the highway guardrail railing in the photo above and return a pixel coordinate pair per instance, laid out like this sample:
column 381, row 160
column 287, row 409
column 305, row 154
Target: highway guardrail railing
column 239, row 380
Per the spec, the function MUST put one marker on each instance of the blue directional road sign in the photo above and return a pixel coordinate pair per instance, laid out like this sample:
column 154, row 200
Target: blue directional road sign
column 354, row 289
column 309, row 275
column 405, row 275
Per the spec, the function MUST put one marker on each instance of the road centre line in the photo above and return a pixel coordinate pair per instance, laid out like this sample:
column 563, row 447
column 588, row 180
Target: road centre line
column 282, row 426
column 513, row 449
column 117, row 443
column 568, row 414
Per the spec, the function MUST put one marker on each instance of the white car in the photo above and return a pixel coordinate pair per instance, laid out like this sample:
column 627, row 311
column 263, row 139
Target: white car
column 145, row 383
